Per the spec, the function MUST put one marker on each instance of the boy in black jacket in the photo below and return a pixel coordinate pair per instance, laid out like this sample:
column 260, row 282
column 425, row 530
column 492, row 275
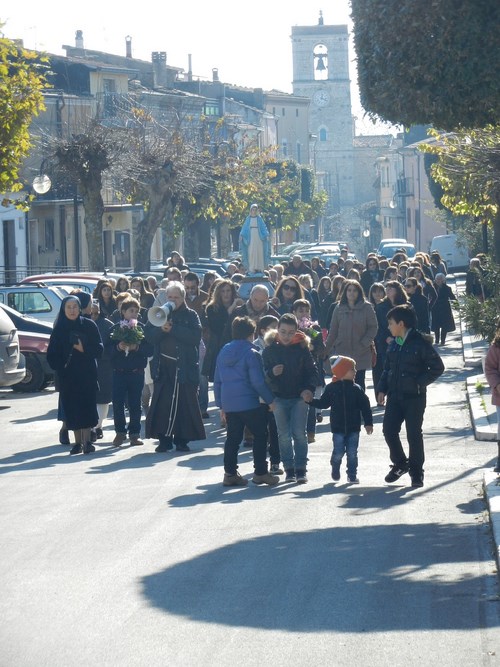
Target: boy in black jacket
column 411, row 365
column 128, row 362
column 292, row 377
column 348, row 403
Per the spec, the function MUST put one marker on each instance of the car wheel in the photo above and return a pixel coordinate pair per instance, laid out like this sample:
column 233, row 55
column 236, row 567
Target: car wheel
column 34, row 379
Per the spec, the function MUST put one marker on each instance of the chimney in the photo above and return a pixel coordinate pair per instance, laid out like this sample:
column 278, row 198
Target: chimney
column 190, row 68
column 79, row 39
column 159, row 59
column 215, row 74
column 128, row 46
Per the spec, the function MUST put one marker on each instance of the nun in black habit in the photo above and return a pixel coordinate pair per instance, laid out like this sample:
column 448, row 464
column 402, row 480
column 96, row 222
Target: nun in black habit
column 74, row 347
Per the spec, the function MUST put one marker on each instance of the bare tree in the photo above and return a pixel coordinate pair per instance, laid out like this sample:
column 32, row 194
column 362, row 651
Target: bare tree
column 84, row 159
column 162, row 166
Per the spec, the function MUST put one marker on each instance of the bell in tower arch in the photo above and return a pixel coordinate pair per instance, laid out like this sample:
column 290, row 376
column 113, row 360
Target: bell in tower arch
column 320, row 65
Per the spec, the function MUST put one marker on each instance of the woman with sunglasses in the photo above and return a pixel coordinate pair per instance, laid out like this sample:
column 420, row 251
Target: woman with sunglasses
column 288, row 291
column 420, row 304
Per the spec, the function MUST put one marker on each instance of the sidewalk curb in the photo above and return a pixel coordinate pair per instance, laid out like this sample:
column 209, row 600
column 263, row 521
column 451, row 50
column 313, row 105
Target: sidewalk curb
column 491, row 487
column 484, row 423
column 482, row 412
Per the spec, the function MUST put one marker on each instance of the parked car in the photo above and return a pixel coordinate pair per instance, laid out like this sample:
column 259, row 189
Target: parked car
column 384, row 242
column 85, row 281
column 201, row 266
column 34, row 336
column 39, row 374
column 10, row 370
column 68, row 284
column 37, row 299
column 390, row 249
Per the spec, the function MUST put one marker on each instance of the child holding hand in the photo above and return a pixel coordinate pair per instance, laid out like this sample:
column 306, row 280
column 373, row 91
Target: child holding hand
column 348, row 403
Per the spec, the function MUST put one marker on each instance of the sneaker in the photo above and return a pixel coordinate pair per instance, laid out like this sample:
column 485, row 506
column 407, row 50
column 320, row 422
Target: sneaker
column 99, row 433
column 182, row 448
column 301, row 477
column 76, row 449
column 290, row 476
column 267, row 478
column 119, row 439
column 395, row 473
column 335, row 474
column 353, row 480
column 311, row 437
column 64, row 436
column 234, row 480
column 135, row 440
column 88, row 448
column 275, row 469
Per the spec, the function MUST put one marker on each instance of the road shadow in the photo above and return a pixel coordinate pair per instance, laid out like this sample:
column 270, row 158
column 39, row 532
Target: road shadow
column 332, row 580
column 51, row 414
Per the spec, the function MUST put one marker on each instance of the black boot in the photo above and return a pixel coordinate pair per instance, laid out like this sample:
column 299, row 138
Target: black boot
column 497, row 467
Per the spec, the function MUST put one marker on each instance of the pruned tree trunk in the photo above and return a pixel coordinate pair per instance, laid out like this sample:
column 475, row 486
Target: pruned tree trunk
column 496, row 236
column 225, row 239
column 94, row 210
column 146, row 229
column 191, row 242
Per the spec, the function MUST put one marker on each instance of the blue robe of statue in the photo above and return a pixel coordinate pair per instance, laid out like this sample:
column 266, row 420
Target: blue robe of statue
column 245, row 242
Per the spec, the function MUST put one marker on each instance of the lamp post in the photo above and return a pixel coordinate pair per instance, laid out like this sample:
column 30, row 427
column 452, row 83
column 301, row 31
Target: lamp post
column 366, row 236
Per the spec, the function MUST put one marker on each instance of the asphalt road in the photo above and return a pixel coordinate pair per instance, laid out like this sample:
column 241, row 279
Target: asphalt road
column 133, row 558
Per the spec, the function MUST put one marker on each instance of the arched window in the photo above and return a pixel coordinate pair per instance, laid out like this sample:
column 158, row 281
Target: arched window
column 320, row 62
column 322, row 134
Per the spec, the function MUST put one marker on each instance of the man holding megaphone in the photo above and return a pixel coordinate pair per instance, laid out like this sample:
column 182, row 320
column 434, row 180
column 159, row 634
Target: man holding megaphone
column 175, row 331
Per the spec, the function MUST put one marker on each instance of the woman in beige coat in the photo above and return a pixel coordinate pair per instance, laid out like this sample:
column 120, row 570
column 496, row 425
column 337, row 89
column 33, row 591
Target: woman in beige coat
column 353, row 328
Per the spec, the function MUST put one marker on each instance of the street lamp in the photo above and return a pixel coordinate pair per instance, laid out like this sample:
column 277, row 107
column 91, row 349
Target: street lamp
column 366, row 236
column 42, row 184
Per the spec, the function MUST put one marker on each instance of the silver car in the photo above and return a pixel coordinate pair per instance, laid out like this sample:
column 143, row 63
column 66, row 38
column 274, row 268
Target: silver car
column 35, row 300
column 10, row 373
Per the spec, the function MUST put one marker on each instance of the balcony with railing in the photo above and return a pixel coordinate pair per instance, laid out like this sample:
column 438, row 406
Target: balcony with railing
column 404, row 187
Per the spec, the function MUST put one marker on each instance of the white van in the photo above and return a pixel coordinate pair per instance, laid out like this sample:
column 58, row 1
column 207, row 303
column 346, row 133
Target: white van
column 455, row 256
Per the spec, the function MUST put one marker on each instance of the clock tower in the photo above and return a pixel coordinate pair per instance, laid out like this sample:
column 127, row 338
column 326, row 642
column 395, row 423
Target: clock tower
column 321, row 73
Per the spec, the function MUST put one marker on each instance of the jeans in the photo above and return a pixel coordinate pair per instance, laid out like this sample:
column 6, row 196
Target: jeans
column 127, row 387
column 274, row 448
column 408, row 409
column 256, row 421
column 291, row 419
column 346, row 443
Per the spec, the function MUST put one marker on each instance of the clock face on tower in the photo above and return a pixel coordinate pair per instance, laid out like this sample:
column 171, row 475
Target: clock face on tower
column 321, row 98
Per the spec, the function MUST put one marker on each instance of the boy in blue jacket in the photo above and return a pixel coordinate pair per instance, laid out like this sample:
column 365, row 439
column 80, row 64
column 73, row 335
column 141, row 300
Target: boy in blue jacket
column 244, row 398
column 348, row 403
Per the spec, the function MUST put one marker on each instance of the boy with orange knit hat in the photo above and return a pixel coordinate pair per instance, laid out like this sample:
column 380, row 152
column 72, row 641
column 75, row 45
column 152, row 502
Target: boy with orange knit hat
column 348, row 403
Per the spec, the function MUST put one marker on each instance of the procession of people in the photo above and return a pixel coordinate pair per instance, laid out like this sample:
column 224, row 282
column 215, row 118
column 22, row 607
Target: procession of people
column 304, row 340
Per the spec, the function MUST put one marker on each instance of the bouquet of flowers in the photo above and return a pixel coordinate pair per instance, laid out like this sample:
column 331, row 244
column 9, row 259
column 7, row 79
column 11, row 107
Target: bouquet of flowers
column 129, row 333
column 307, row 326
